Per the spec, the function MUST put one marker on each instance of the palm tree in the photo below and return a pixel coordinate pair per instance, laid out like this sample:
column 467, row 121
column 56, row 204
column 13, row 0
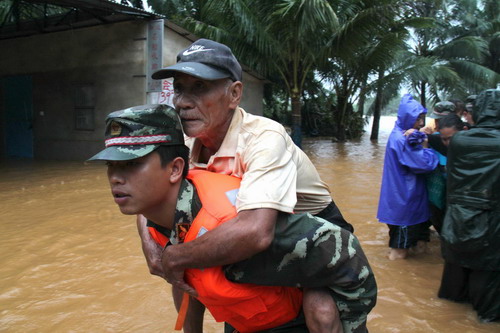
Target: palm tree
column 282, row 37
column 458, row 58
column 480, row 22
column 450, row 66
column 361, row 48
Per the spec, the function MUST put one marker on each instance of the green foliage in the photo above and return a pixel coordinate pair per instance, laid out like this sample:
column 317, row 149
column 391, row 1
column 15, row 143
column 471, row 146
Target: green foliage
column 15, row 11
column 332, row 57
column 276, row 106
column 459, row 43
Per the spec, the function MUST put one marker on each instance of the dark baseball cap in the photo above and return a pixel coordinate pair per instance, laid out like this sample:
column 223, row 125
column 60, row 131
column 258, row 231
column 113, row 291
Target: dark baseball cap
column 442, row 109
column 204, row 59
column 139, row 130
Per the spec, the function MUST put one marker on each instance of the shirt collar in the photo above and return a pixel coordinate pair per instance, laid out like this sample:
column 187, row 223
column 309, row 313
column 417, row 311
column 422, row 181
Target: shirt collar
column 230, row 142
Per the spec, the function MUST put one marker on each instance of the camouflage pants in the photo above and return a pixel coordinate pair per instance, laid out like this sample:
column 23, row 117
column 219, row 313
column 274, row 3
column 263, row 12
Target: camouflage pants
column 308, row 251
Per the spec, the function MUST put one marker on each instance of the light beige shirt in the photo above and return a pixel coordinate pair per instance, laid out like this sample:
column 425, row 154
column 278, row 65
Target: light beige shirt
column 275, row 173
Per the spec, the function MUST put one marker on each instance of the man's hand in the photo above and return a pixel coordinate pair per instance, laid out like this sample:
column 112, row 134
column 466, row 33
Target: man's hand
column 409, row 131
column 251, row 231
column 152, row 251
column 427, row 130
column 175, row 276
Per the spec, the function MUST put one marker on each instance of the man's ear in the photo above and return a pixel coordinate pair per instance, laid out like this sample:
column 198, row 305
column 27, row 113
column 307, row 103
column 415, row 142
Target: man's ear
column 177, row 167
column 235, row 91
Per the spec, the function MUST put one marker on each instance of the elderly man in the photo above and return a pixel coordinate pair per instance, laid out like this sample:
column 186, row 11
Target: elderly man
column 276, row 175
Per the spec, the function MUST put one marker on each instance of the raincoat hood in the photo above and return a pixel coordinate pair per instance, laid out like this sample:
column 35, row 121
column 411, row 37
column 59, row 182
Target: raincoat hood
column 408, row 112
column 486, row 111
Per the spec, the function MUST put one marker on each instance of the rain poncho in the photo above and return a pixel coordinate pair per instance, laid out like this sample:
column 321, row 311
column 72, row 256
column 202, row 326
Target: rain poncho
column 471, row 228
column 403, row 195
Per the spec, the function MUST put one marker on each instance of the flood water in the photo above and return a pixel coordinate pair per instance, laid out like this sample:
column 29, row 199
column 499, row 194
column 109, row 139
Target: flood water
column 70, row 262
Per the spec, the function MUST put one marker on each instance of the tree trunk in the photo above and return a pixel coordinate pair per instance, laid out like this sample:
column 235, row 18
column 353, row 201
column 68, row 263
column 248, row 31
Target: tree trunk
column 362, row 98
column 340, row 119
column 342, row 105
column 296, row 120
column 377, row 108
column 423, row 96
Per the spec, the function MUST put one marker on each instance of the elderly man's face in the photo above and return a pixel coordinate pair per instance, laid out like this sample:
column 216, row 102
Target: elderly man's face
column 205, row 107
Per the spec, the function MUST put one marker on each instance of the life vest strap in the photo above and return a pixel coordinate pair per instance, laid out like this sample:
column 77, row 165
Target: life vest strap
column 181, row 316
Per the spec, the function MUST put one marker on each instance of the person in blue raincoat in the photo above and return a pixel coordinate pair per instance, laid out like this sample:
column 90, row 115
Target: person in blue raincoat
column 403, row 203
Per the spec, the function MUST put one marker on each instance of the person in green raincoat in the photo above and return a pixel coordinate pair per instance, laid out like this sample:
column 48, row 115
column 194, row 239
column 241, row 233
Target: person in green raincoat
column 471, row 227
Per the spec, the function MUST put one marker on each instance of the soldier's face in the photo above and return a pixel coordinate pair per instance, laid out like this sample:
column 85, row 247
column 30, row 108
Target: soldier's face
column 205, row 107
column 139, row 186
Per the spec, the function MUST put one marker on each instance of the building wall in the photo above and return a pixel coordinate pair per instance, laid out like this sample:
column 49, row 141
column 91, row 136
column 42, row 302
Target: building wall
column 104, row 66
column 253, row 94
column 107, row 59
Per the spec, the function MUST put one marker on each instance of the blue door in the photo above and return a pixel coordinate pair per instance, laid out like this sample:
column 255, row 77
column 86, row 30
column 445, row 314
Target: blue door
column 18, row 106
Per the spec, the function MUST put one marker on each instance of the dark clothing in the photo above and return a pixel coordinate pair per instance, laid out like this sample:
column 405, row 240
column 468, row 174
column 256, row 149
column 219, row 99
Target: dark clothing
column 437, row 217
column 298, row 325
column 404, row 237
column 436, row 190
column 471, row 227
column 332, row 214
column 436, row 143
column 480, row 288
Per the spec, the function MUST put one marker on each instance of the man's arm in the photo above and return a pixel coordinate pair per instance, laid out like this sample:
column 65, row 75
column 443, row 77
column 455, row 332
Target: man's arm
column 249, row 233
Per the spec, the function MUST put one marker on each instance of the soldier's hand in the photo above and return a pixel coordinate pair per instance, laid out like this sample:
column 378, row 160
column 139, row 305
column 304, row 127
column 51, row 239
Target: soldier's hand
column 152, row 251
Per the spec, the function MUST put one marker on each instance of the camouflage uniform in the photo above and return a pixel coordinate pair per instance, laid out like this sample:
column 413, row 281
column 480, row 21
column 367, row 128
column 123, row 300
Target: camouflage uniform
column 307, row 251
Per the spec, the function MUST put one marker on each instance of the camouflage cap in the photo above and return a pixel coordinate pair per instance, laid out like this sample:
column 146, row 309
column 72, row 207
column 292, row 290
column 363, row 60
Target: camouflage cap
column 470, row 98
column 137, row 131
column 469, row 102
column 442, row 109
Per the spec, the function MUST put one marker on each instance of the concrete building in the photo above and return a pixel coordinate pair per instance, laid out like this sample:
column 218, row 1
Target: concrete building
column 61, row 75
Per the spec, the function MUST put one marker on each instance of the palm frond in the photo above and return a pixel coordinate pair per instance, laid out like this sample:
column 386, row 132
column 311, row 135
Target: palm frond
column 473, row 48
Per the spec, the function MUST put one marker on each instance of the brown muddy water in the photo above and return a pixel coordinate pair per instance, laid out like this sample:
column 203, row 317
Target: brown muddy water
column 70, row 262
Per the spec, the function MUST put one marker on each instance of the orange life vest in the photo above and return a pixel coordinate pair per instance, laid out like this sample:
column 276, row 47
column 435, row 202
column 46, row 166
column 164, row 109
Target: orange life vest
column 247, row 307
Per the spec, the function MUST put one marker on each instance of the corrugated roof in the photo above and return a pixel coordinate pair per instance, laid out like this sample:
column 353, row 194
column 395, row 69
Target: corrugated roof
column 28, row 17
